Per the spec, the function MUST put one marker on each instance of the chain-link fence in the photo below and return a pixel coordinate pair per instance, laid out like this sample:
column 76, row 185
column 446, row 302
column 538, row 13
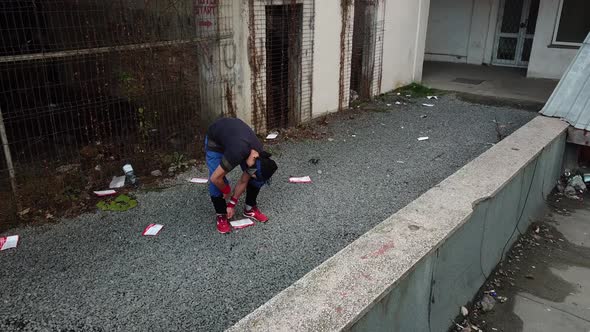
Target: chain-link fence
column 362, row 50
column 88, row 85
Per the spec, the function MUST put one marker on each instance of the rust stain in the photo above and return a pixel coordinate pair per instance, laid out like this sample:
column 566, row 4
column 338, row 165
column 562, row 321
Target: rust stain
column 345, row 10
column 381, row 251
column 229, row 99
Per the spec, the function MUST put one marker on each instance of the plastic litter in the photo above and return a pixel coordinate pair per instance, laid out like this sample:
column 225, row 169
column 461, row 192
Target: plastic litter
column 103, row 193
column 199, row 180
column 428, row 105
column 432, row 97
column 272, row 135
column 243, row 223
column 8, row 242
column 152, row 230
column 130, row 175
column 117, row 182
column 464, row 311
column 425, row 138
column 302, row 179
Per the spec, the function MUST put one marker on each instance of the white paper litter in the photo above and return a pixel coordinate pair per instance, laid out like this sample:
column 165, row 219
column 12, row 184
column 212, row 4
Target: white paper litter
column 199, row 180
column 272, row 136
column 243, row 223
column 432, row 97
column 303, row 179
column 428, row 105
column 8, row 242
column 388, row 105
column 152, row 230
column 398, row 102
column 117, row 182
column 423, row 138
column 102, row 193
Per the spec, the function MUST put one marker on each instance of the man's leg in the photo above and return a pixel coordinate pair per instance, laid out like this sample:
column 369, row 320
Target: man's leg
column 213, row 160
column 251, row 210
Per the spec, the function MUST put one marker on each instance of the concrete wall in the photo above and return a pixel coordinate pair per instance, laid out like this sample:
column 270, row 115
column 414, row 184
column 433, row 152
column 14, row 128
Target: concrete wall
column 461, row 31
column 326, row 74
column 406, row 22
column 464, row 31
column 413, row 271
column 548, row 61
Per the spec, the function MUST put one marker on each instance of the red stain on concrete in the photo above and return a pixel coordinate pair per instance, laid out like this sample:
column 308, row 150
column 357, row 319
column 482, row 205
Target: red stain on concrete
column 366, row 276
column 381, row 251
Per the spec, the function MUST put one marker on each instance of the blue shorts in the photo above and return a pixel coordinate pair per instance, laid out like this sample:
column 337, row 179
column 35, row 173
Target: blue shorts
column 213, row 160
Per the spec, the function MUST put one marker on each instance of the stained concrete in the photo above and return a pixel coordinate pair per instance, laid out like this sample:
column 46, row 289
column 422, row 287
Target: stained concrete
column 502, row 82
column 412, row 271
column 546, row 276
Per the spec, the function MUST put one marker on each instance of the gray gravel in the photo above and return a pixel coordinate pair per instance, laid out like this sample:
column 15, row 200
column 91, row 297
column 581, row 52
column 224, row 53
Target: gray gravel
column 96, row 273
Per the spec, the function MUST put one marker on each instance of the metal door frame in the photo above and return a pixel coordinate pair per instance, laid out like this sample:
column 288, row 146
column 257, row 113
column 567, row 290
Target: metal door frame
column 521, row 36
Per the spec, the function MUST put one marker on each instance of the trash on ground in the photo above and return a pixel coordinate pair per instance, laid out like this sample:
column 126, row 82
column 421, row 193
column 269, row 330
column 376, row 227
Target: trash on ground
column 273, row 135
column 388, row 105
column 199, row 180
column 152, row 230
column 423, row 116
column 398, row 102
column 487, row 303
column 408, row 96
column 302, row 179
column 98, row 168
column 156, row 173
column 130, row 177
column 8, row 242
column 119, row 204
column 399, row 94
column 117, row 182
column 428, row 105
column 425, row 138
column 330, row 139
column 102, row 193
column 432, row 97
column 400, row 162
column 314, row 161
column 67, row 168
column 353, row 135
column 24, row 212
column 464, row 311
column 243, row 223
column 572, row 184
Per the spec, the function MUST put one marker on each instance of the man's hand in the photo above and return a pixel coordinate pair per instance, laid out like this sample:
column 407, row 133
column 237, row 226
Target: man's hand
column 230, row 212
column 231, row 207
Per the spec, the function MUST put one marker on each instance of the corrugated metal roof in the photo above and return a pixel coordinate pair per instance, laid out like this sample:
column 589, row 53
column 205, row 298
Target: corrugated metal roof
column 571, row 98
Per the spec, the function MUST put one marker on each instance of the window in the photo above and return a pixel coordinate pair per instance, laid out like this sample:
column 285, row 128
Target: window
column 573, row 22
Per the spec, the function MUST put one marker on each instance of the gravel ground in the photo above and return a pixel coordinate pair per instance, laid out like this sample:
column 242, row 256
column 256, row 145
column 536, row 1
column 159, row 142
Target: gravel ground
column 96, row 272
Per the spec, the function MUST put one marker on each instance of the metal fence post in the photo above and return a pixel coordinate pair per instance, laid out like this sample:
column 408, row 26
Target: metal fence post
column 7, row 154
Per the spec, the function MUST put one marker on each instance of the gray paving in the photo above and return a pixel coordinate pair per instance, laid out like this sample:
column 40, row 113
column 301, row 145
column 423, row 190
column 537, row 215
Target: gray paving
column 96, row 273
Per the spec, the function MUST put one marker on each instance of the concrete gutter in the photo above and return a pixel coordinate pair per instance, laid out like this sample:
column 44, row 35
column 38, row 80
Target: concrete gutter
column 414, row 270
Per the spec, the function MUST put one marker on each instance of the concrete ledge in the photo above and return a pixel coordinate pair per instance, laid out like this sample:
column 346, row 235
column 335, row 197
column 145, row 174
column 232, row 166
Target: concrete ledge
column 414, row 270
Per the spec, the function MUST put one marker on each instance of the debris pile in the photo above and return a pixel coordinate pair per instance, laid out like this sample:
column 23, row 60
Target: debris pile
column 572, row 185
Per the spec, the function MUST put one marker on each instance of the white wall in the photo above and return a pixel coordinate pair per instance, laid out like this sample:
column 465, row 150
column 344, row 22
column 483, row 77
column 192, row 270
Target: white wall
column 547, row 61
column 459, row 30
column 326, row 73
column 404, row 41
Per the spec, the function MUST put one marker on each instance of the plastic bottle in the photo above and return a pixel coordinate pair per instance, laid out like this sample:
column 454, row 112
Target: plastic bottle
column 130, row 176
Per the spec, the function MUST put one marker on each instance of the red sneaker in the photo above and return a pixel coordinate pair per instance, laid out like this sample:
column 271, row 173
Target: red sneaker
column 256, row 215
column 223, row 226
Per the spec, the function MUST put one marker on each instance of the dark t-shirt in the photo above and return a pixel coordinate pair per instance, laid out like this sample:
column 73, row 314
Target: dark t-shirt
column 234, row 139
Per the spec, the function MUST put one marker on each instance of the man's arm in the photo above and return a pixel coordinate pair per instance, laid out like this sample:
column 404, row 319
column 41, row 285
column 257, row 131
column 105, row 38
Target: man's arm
column 238, row 191
column 217, row 180
column 242, row 184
